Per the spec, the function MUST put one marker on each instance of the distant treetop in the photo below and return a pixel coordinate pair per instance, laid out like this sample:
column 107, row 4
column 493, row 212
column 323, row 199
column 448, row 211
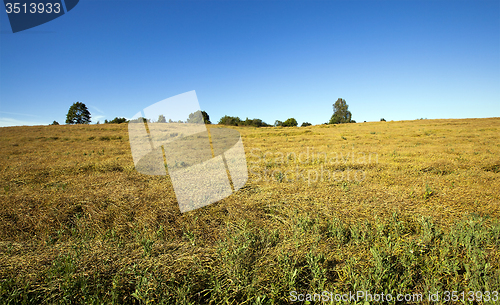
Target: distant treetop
column 116, row 120
column 291, row 122
column 236, row 121
column 78, row 114
column 199, row 117
column 341, row 114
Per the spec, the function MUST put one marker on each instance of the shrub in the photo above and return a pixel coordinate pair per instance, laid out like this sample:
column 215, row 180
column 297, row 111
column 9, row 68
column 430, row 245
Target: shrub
column 305, row 124
column 291, row 122
column 229, row 120
column 116, row 120
column 236, row 121
column 382, row 120
column 161, row 119
column 253, row 122
column 138, row 120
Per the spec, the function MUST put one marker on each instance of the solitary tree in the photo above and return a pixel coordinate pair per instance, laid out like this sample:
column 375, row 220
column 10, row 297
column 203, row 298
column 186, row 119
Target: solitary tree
column 206, row 118
column 291, row 122
column 78, row 114
column 195, row 117
column 341, row 114
column 229, row 120
column 305, row 124
column 161, row 119
column 278, row 123
column 55, row 123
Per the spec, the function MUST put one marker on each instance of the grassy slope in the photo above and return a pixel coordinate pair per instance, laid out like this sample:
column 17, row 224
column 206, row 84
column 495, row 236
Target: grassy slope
column 79, row 224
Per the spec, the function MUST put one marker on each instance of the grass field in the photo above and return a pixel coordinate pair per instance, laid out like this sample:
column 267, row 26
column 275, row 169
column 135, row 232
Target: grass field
column 410, row 207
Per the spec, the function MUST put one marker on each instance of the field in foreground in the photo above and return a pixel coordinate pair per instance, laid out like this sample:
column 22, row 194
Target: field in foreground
column 408, row 208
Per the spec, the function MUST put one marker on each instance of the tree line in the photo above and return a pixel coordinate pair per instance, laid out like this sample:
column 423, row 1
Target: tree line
column 78, row 113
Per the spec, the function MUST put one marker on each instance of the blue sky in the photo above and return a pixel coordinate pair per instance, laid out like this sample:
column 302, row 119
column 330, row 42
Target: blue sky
column 398, row 60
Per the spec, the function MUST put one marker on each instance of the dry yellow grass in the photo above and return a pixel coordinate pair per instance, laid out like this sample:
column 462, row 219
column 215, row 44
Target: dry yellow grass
column 72, row 204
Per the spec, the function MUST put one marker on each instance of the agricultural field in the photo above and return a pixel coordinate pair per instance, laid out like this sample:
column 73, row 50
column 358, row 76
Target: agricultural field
column 407, row 207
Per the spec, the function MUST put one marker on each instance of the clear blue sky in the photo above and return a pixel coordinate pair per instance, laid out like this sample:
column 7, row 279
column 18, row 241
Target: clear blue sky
column 400, row 60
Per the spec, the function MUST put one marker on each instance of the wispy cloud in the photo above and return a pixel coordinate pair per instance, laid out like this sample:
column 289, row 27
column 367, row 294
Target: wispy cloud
column 98, row 118
column 5, row 122
column 97, row 109
column 24, row 114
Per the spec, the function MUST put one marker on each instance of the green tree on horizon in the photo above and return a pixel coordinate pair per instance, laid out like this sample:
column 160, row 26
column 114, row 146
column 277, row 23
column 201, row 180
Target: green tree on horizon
column 161, row 119
column 138, row 120
column 78, row 114
column 291, row 122
column 116, row 120
column 341, row 114
column 196, row 117
column 229, row 120
column 206, row 117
